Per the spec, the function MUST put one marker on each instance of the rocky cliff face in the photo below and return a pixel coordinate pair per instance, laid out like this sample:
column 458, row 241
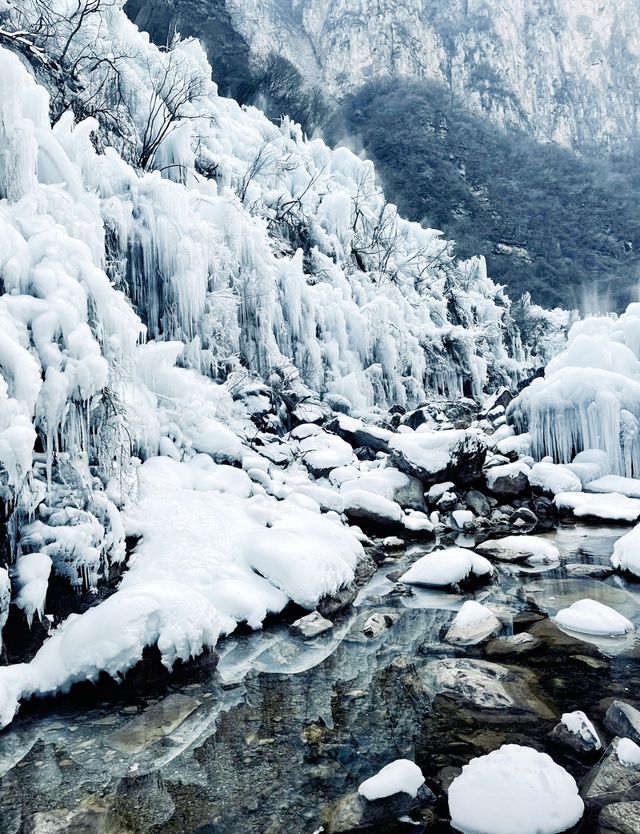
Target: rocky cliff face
column 562, row 70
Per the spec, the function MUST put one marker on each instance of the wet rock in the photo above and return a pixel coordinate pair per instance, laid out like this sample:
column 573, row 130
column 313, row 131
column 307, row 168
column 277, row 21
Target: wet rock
column 477, row 502
column 92, row 816
column 392, row 543
column 610, row 781
column 329, row 606
column 310, row 625
column 376, row 624
column 523, row 518
column 620, row 818
column 578, row 569
column 353, row 813
column 623, row 720
column 531, row 549
column 471, row 633
column 143, row 800
column 155, row 723
column 512, row 646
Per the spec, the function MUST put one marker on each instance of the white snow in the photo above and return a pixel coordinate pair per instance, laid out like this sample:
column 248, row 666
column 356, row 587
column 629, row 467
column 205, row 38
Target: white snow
column 554, row 478
column 431, row 451
column 472, row 624
column 462, row 517
column 612, row 507
column 359, row 502
column 400, row 776
column 447, row 567
column 591, row 617
column 615, row 483
column 505, row 470
column 578, row 724
column 514, row 790
column 628, row 753
column 626, row 552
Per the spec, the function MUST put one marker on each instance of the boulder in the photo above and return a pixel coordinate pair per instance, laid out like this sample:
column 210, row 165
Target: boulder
column 620, row 818
column 508, row 479
column 611, row 780
column 371, row 507
column 373, row 437
column 512, row 646
column 576, row 733
column 523, row 518
column 623, row 720
column 354, row 813
column 477, row 503
column 436, row 456
column 376, row 624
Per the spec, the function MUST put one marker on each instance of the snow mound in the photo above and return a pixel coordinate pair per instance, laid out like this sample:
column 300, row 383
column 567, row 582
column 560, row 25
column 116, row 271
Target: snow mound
column 514, row 790
column 628, row 753
column 591, row 617
column 553, row 478
column 400, row 776
column 626, row 552
column 615, row 483
column 447, row 567
column 611, row 507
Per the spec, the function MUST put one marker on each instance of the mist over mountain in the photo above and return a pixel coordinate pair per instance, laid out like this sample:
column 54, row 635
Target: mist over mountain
column 514, row 130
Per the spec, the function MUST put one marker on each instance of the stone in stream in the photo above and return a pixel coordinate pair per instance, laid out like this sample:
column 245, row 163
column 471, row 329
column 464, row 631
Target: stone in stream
column 577, row 569
column 620, row 818
column 310, row 625
column 577, row 733
column 513, row 645
column 155, row 723
column 478, row 503
column 523, row 518
column 507, row 480
column 611, row 780
column 91, row 816
column 623, row 720
column 376, row 624
column 472, row 624
column 530, row 549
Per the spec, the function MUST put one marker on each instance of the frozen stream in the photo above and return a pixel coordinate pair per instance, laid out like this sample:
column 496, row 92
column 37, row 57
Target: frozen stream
column 286, row 728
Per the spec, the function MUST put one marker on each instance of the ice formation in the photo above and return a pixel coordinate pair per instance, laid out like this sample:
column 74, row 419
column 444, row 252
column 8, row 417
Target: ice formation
column 589, row 397
column 173, row 265
column 514, row 789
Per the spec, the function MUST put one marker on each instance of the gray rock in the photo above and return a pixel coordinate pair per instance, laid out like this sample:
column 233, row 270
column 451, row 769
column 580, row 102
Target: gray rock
column 507, row 480
column 620, row 818
column 512, row 646
column 372, row 438
column 155, row 723
column 590, row 571
column 623, row 720
column 584, row 742
column 477, row 503
column 610, row 781
column 310, row 625
column 523, row 518
column 331, row 605
column 464, row 464
column 376, row 624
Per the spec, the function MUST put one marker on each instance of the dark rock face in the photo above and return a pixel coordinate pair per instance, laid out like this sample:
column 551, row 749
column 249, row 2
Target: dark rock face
column 477, row 502
column 464, row 466
column 510, row 484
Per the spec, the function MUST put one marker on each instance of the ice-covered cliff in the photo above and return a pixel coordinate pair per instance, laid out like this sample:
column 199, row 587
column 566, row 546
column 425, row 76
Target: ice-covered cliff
column 169, row 262
column 563, row 70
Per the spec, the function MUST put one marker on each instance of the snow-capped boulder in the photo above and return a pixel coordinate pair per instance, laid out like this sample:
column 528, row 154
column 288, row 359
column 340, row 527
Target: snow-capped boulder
column 589, row 465
column 450, row 566
column 507, row 480
column 531, row 549
column 552, row 478
column 626, row 552
column 612, row 507
column 577, row 732
column 322, row 452
column 436, row 456
column 472, row 624
column 391, row 483
column 616, row 777
column 514, row 789
column 400, row 776
column 371, row 507
column 588, row 616
column 615, row 483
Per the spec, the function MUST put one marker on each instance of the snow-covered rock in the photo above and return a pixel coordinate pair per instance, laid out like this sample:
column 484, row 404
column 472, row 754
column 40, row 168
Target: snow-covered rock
column 371, row 507
column 532, row 549
column 400, row 776
column 507, row 479
column 391, row 483
column 610, row 507
column 589, row 616
column 576, row 731
column 615, row 483
column 551, row 479
column 448, row 567
column 623, row 720
column 514, row 789
column 626, row 552
column 433, row 456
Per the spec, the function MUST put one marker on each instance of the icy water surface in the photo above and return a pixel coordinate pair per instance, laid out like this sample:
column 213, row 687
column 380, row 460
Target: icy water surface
column 286, row 729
